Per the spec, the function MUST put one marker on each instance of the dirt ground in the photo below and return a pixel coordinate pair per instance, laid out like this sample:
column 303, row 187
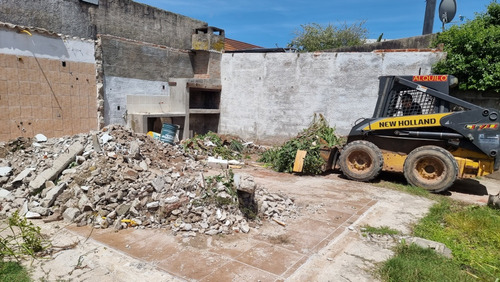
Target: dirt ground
column 324, row 242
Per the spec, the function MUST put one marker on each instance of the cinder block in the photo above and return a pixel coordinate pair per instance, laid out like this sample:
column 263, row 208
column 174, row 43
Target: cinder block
column 4, row 136
column 3, row 73
column 25, row 100
column 26, row 112
column 11, row 61
column 14, row 100
column 3, row 60
column 3, row 87
column 14, row 113
column 12, row 74
column 4, row 121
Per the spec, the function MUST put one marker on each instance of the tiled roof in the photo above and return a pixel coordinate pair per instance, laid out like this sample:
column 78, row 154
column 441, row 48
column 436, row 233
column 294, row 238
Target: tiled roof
column 232, row 45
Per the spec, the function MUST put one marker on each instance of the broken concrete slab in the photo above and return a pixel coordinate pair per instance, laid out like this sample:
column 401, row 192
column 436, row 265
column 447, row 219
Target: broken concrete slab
column 40, row 138
column 52, row 195
column 70, row 214
column 32, row 215
column 58, row 166
column 217, row 163
column 440, row 248
column 4, row 193
column 245, row 183
column 494, row 201
column 5, row 170
column 22, row 175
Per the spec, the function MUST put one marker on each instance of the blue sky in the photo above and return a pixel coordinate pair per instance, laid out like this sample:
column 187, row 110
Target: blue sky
column 271, row 23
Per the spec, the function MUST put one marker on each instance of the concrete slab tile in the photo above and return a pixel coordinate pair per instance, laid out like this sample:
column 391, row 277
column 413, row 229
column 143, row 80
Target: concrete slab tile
column 237, row 271
column 192, row 264
column 270, row 258
column 231, row 246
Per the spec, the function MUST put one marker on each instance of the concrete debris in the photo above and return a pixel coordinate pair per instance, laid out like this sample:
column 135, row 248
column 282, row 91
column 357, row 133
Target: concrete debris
column 118, row 179
column 217, row 163
column 21, row 176
column 40, row 138
column 4, row 193
column 52, row 195
column 32, row 215
column 494, row 201
column 58, row 165
column 5, row 171
column 439, row 248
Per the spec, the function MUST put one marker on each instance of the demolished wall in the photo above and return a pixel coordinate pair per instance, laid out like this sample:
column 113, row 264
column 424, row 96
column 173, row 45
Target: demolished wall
column 270, row 97
column 139, row 71
column 47, row 84
column 142, row 53
column 123, row 18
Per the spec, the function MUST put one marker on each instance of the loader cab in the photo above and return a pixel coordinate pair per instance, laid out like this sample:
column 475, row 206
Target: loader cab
column 396, row 91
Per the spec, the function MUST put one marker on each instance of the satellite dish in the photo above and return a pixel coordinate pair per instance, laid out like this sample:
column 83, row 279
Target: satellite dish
column 447, row 10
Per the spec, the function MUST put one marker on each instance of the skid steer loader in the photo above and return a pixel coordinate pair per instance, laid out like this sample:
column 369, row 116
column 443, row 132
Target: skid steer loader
column 420, row 130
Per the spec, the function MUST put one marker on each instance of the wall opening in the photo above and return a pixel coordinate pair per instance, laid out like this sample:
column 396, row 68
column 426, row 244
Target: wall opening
column 204, row 112
column 204, row 99
column 155, row 124
column 203, row 123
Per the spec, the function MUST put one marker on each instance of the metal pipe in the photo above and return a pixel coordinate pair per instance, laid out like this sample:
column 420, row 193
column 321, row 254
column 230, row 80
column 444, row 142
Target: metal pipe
column 425, row 134
column 430, row 10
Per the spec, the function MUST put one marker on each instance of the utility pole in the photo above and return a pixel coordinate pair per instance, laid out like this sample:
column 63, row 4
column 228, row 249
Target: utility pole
column 430, row 10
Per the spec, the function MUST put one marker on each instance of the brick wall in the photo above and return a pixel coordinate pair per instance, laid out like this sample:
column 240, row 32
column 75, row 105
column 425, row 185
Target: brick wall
column 48, row 96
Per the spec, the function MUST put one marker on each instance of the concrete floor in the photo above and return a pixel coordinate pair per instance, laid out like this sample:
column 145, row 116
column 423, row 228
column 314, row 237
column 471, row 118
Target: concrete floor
column 270, row 253
column 314, row 246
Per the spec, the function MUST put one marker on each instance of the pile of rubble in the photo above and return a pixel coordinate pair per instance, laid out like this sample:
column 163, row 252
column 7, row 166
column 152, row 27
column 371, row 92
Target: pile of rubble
column 116, row 178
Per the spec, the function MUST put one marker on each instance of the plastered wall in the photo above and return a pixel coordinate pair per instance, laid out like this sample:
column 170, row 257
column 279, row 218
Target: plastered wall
column 269, row 98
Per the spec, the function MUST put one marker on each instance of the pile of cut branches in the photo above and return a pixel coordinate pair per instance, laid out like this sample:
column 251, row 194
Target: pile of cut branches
column 211, row 144
column 318, row 135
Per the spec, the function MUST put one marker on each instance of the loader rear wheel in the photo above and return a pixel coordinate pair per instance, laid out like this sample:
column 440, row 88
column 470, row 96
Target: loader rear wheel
column 430, row 167
column 361, row 160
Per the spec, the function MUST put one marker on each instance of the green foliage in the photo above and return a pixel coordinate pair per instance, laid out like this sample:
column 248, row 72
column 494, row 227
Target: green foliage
column 24, row 239
column 413, row 263
column 413, row 190
column 318, row 135
column 315, row 37
column 383, row 230
column 212, row 145
column 471, row 232
column 13, row 271
column 473, row 51
column 214, row 185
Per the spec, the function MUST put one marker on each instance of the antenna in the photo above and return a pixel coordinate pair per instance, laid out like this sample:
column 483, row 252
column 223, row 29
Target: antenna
column 447, row 11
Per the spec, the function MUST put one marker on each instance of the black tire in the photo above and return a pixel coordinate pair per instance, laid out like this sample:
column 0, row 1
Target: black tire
column 430, row 167
column 361, row 160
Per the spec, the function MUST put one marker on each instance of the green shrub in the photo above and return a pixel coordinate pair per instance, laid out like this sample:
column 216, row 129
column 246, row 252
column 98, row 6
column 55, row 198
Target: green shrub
column 24, row 239
column 473, row 51
column 318, row 135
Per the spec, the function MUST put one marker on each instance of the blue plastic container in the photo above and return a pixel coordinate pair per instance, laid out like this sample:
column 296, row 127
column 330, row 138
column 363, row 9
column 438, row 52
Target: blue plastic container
column 168, row 132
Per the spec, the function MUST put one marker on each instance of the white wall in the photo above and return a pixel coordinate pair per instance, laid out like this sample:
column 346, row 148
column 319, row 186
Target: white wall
column 131, row 96
column 271, row 97
column 46, row 47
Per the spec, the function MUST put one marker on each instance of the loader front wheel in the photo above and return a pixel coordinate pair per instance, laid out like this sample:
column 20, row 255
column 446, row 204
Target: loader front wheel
column 430, row 167
column 361, row 160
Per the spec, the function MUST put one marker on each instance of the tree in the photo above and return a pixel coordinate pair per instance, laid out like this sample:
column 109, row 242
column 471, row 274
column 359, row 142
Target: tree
column 314, row 37
column 473, row 51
